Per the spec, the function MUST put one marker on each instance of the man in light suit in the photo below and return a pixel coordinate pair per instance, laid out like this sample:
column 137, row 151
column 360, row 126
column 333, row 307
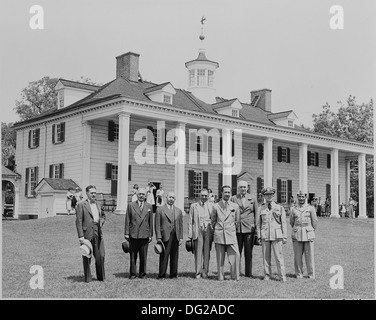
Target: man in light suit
column 199, row 229
column 246, row 228
column 303, row 221
column 224, row 219
column 139, row 232
column 169, row 230
column 89, row 221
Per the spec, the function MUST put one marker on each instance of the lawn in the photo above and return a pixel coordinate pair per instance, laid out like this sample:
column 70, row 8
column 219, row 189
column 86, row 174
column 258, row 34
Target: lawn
column 52, row 244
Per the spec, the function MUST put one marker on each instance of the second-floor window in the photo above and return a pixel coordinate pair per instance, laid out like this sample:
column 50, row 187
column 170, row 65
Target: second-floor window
column 283, row 154
column 58, row 133
column 33, row 141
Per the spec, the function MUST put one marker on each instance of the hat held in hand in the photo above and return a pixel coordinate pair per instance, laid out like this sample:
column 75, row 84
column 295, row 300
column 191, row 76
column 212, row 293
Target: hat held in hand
column 86, row 249
column 126, row 246
column 159, row 247
column 189, row 245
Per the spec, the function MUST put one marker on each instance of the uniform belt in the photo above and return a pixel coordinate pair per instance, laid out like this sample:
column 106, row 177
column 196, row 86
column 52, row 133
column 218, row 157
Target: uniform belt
column 302, row 225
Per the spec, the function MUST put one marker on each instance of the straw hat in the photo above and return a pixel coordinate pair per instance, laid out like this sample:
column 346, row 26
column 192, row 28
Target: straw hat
column 86, row 249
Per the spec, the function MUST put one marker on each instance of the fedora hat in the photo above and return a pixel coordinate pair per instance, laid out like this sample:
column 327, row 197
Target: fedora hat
column 86, row 249
column 189, row 245
column 126, row 246
column 159, row 247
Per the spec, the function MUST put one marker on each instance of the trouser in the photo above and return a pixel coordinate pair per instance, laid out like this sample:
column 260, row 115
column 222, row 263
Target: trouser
column 202, row 246
column 276, row 247
column 138, row 247
column 246, row 240
column 306, row 248
column 233, row 259
column 172, row 252
column 98, row 252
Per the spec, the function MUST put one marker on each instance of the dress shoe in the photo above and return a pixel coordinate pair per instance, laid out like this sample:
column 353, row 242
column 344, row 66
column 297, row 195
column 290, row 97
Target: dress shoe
column 284, row 279
column 132, row 277
column 266, row 278
column 299, row 276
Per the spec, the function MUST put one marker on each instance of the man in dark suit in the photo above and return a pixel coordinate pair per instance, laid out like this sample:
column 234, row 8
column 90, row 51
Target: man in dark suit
column 139, row 232
column 246, row 228
column 89, row 222
column 169, row 230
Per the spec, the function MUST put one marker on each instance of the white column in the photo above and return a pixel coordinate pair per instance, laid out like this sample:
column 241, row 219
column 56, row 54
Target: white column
column 180, row 165
column 123, row 163
column 348, row 191
column 16, row 200
column 303, row 168
column 227, row 157
column 334, row 205
column 362, row 186
column 86, row 153
column 268, row 162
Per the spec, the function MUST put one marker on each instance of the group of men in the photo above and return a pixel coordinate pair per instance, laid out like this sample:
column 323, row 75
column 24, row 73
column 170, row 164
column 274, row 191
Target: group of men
column 233, row 224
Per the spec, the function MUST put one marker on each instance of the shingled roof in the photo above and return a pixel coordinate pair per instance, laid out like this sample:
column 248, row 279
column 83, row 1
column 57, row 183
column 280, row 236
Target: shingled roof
column 59, row 184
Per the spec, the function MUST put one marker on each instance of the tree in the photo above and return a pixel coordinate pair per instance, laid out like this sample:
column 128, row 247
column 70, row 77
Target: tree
column 8, row 145
column 353, row 122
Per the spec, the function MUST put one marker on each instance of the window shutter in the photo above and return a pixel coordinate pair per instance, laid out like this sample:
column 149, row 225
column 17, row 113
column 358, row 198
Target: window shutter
column 61, row 171
column 108, row 171
column 150, row 136
column 260, row 151
column 162, row 137
column 192, row 141
column 220, row 145
column 205, row 180
column 328, row 161
column 191, row 184
column 279, row 185
column 36, row 180
column 234, row 182
column 279, row 154
column 29, row 141
column 111, row 130
column 327, row 190
column 220, row 183
column 309, row 158
column 27, row 174
column 317, row 159
column 51, row 174
column 204, row 143
column 289, row 190
column 53, row 133
column 259, row 185
column 62, row 132
column 129, row 172
column 233, row 146
column 37, row 134
column 288, row 155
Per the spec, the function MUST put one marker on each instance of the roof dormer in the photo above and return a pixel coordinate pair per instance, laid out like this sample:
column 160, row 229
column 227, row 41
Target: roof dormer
column 161, row 93
column 284, row 118
column 228, row 107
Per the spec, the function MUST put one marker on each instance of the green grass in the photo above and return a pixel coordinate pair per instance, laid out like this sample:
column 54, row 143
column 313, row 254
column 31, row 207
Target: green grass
column 52, row 243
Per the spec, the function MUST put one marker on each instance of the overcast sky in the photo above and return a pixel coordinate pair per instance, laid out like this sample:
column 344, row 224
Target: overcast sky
column 283, row 45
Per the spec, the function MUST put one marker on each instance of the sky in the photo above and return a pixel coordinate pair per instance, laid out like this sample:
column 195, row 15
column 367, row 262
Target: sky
column 293, row 48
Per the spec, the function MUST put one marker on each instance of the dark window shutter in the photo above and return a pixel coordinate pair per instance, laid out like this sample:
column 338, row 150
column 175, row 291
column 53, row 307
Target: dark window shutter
column 220, row 184
column 62, row 132
column 51, row 174
column 205, row 180
column 198, row 148
column 234, row 182
column 279, row 185
column 191, row 183
column 328, row 190
column 27, row 180
column 53, row 133
column 289, row 190
column 129, row 172
column 111, row 130
column 36, row 181
column 37, row 134
column 259, row 185
column 108, row 171
column 260, row 151
column 288, row 155
column 61, row 171
column 279, row 154
column 317, row 159
column 309, row 158
column 220, row 146
column 114, row 188
column 233, row 146
column 29, row 141
column 328, row 161
column 150, row 136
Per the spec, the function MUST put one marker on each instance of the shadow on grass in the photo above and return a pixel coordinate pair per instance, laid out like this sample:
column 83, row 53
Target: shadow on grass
column 76, row 278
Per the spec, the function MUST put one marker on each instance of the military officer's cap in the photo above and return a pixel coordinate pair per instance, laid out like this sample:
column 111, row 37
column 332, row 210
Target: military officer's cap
column 268, row 190
column 301, row 193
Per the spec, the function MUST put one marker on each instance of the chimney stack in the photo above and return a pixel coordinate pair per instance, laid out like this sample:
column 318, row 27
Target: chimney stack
column 262, row 99
column 127, row 66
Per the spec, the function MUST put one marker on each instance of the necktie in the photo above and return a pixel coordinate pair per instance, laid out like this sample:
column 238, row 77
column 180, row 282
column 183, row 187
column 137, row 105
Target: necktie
column 269, row 206
column 141, row 205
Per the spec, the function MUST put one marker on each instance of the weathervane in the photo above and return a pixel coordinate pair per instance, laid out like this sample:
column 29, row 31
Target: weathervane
column 202, row 37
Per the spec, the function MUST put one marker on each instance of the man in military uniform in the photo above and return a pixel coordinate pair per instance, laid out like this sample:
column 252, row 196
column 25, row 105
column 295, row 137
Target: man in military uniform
column 272, row 231
column 246, row 228
column 303, row 221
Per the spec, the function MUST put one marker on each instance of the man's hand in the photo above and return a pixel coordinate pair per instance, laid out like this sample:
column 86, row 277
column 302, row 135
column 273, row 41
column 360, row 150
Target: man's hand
column 81, row 240
column 180, row 241
column 126, row 236
column 284, row 241
column 149, row 239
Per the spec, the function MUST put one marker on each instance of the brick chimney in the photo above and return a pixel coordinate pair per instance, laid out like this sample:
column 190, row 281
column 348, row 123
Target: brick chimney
column 262, row 99
column 127, row 66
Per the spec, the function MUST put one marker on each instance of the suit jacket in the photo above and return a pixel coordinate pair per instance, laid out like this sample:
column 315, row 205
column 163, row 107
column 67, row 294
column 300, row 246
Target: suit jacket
column 303, row 221
column 269, row 226
column 195, row 211
column 85, row 220
column 248, row 213
column 224, row 222
column 163, row 223
column 139, row 225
